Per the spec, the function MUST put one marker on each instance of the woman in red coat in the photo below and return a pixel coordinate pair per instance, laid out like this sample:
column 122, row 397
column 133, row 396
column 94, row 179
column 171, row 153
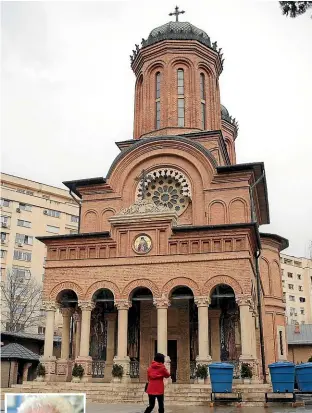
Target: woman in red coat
column 155, row 388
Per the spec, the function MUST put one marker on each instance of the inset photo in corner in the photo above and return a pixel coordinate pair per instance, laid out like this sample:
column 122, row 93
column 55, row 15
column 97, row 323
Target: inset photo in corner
column 45, row 403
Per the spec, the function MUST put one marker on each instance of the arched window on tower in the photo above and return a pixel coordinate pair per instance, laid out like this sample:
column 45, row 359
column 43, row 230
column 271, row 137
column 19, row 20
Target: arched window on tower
column 157, row 101
column 203, row 100
column 181, row 105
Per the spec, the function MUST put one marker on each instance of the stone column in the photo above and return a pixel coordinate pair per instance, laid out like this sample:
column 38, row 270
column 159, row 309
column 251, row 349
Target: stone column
column 122, row 357
column 77, row 319
column 162, row 305
column 247, row 333
column 203, row 332
column 84, row 359
column 214, row 320
column 110, row 349
column 48, row 360
column 63, row 365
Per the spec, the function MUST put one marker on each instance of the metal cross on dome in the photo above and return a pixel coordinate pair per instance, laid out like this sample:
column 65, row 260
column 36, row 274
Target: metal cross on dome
column 176, row 13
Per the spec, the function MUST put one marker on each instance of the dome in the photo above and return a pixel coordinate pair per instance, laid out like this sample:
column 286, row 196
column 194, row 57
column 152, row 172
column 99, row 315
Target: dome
column 225, row 114
column 176, row 30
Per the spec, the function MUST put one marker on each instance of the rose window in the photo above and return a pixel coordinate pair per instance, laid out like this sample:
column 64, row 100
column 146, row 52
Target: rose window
column 166, row 187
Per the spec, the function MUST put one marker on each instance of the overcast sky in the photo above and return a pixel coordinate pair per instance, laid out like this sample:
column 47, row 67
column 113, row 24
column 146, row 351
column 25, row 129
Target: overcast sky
column 67, row 91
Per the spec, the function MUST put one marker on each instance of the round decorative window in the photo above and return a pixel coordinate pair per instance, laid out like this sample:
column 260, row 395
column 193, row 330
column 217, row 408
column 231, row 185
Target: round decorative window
column 167, row 188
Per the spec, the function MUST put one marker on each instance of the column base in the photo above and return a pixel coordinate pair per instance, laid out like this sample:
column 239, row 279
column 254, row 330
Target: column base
column 63, row 370
column 254, row 364
column 125, row 363
column 50, row 367
column 86, row 363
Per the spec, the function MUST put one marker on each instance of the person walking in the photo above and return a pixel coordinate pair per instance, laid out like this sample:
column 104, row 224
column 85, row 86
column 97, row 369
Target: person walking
column 156, row 373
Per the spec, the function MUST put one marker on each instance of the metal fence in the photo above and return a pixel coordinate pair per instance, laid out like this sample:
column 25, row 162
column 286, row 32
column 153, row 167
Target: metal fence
column 134, row 369
column 98, row 368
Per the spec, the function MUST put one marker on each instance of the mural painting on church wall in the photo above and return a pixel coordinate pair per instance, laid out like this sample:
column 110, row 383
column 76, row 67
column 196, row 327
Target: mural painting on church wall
column 142, row 244
column 98, row 341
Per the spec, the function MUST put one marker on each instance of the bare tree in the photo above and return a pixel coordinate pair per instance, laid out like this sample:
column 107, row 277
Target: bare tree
column 295, row 8
column 20, row 301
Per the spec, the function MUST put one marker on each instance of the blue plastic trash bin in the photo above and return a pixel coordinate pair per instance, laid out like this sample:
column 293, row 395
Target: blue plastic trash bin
column 221, row 376
column 304, row 376
column 282, row 376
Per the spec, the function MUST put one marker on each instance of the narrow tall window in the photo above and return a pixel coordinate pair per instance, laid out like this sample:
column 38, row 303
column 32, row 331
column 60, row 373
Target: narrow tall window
column 203, row 100
column 157, row 100
column 181, row 106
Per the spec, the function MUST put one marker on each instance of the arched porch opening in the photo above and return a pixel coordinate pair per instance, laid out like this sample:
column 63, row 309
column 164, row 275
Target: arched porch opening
column 103, row 333
column 182, row 334
column 67, row 301
column 224, row 323
column 138, row 333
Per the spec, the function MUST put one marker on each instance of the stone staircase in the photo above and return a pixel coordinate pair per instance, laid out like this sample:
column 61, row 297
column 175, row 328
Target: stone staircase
column 133, row 393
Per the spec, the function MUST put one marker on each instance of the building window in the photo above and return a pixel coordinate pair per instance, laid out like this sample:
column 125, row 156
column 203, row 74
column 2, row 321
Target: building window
column 55, row 230
column 3, row 236
column 73, row 231
column 301, row 310
column 157, row 100
column 281, row 343
column 22, row 223
column 297, row 263
column 302, row 299
column 23, row 239
column 41, row 330
column 287, row 261
column 282, row 272
column 181, row 106
column 52, row 213
column 24, row 207
column 203, row 100
column 4, row 202
column 299, row 276
column 74, row 218
column 300, row 288
column 291, row 286
column 5, row 221
column 2, row 253
column 292, row 311
column 291, row 298
column 289, row 275
column 21, row 273
column 22, row 255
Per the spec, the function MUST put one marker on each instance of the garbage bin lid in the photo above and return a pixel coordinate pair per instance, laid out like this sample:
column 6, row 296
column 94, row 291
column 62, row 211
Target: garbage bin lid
column 221, row 365
column 282, row 364
column 303, row 365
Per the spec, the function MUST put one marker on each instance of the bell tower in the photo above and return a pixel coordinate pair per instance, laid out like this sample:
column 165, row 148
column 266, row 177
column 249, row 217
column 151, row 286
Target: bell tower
column 177, row 73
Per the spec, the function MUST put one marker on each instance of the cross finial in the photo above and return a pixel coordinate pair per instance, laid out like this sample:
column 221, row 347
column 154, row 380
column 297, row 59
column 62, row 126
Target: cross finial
column 176, row 13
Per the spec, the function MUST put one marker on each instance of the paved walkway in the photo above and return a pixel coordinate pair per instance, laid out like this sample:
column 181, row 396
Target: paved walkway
column 139, row 408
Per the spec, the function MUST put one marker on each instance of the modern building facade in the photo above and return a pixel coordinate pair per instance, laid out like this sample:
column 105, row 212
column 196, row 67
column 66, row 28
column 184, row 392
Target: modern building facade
column 29, row 209
column 167, row 253
column 297, row 288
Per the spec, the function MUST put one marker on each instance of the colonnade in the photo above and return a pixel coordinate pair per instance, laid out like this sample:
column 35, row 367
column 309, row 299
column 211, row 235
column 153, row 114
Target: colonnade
column 82, row 338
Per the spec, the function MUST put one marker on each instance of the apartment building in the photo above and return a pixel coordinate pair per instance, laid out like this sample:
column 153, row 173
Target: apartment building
column 30, row 209
column 297, row 288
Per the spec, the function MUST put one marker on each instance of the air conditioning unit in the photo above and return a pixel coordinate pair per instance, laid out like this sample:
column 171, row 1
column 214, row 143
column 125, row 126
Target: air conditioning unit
column 18, row 209
column 19, row 244
column 45, row 212
column 4, row 224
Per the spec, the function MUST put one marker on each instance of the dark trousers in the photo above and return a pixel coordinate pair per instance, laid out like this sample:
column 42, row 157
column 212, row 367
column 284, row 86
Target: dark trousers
column 151, row 400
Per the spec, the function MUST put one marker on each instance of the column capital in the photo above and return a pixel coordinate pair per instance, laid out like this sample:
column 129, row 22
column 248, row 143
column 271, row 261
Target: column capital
column 49, row 305
column 123, row 304
column 243, row 300
column 86, row 305
column 162, row 302
column 67, row 311
column 202, row 301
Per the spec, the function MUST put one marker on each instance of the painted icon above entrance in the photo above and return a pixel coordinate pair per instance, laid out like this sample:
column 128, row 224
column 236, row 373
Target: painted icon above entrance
column 142, row 244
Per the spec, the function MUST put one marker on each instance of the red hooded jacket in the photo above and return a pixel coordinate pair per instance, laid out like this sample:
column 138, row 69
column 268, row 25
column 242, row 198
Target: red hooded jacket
column 155, row 376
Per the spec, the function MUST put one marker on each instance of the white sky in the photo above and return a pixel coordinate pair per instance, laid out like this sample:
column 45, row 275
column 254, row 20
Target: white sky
column 68, row 90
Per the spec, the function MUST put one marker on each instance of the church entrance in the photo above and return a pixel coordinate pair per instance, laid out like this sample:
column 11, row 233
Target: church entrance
column 173, row 355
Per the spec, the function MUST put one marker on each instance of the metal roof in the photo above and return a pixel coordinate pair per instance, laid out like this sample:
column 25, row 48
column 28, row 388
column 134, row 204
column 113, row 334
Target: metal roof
column 300, row 334
column 17, row 351
column 21, row 334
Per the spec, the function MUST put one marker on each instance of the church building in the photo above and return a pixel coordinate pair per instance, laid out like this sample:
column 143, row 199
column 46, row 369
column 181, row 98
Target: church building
column 169, row 257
